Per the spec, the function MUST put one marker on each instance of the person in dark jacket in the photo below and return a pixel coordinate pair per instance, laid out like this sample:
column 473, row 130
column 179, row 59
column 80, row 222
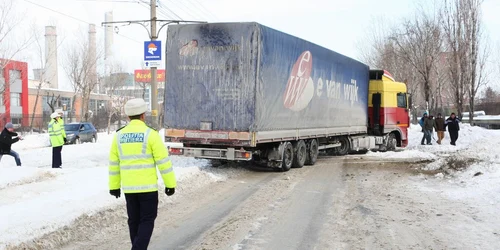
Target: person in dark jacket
column 453, row 127
column 428, row 128
column 7, row 138
column 439, row 125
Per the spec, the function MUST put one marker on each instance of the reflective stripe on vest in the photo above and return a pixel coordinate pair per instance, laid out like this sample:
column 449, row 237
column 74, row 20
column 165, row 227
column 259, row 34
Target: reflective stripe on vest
column 114, row 172
column 166, row 171
column 142, row 166
column 143, row 187
column 165, row 160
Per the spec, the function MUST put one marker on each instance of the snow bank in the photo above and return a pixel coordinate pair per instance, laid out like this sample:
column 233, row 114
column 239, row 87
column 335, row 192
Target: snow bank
column 473, row 142
column 36, row 200
column 32, row 141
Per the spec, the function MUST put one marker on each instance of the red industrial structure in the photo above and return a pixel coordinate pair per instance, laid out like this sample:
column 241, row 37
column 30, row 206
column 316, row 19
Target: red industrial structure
column 14, row 92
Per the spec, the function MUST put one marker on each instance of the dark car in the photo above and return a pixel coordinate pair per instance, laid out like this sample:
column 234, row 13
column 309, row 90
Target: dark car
column 80, row 132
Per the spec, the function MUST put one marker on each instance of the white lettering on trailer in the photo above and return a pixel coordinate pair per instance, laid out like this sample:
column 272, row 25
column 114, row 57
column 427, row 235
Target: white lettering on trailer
column 351, row 91
column 333, row 89
column 305, row 58
column 319, row 88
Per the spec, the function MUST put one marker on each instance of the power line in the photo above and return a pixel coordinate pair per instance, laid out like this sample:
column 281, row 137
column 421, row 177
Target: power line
column 188, row 12
column 75, row 18
column 204, row 9
column 192, row 9
column 168, row 9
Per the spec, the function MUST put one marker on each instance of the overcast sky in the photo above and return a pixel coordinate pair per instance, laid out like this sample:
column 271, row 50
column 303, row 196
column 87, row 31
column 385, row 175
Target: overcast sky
column 339, row 25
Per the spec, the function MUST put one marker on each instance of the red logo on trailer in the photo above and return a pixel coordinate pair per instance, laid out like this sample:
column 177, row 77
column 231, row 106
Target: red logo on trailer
column 300, row 87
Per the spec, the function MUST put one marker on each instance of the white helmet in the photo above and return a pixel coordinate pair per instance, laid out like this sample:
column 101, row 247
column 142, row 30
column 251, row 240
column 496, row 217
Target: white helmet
column 54, row 115
column 135, row 107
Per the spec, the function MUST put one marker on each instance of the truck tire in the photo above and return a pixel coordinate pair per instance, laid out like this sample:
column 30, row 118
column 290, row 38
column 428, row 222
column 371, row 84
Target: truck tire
column 287, row 160
column 392, row 142
column 345, row 146
column 300, row 154
column 312, row 152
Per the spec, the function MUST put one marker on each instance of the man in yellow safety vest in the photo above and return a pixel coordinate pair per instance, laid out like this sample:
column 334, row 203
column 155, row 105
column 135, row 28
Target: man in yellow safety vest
column 57, row 139
column 136, row 151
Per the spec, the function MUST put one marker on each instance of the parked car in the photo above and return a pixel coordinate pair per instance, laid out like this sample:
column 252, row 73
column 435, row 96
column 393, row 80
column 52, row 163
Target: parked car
column 80, row 132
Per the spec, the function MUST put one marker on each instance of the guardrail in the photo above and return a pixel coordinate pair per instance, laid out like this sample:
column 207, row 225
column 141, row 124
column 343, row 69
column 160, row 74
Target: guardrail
column 485, row 121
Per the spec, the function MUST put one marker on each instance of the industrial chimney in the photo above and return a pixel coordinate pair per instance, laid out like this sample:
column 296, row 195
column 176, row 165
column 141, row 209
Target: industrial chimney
column 50, row 74
column 108, row 35
column 92, row 54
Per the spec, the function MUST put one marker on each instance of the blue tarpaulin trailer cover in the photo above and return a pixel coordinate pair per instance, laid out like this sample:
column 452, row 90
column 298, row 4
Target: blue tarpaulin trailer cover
column 248, row 77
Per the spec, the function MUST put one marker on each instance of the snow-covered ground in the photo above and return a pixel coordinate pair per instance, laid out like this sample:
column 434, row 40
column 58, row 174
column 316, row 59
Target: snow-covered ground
column 468, row 172
column 473, row 142
column 36, row 199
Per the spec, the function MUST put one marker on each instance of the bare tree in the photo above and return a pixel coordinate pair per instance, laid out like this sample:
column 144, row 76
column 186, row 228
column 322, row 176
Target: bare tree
column 462, row 26
column 53, row 101
column 80, row 67
column 11, row 43
column 115, row 80
column 418, row 43
column 490, row 95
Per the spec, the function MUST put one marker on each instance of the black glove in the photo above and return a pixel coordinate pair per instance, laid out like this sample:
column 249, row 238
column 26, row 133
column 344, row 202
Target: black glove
column 169, row 191
column 65, row 141
column 115, row 193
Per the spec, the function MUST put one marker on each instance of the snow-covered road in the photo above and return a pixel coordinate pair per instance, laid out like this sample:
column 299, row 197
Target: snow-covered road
column 37, row 202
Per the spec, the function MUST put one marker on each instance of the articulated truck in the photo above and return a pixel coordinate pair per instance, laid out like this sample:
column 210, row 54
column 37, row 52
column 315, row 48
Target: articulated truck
column 243, row 91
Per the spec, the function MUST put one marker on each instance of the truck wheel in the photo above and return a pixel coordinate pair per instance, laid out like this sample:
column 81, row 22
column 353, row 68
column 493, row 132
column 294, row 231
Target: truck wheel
column 345, row 146
column 287, row 161
column 312, row 152
column 300, row 154
column 391, row 142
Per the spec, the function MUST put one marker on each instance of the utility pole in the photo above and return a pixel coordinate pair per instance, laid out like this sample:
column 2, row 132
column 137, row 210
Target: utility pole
column 153, row 35
column 154, row 83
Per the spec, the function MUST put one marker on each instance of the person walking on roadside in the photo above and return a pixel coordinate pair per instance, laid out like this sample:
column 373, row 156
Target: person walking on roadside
column 453, row 127
column 136, row 152
column 439, row 125
column 57, row 139
column 7, row 138
column 421, row 123
column 427, row 124
column 429, row 129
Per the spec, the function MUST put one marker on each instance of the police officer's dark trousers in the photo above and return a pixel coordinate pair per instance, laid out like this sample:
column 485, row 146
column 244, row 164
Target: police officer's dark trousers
column 56, row 157
column 142, row 209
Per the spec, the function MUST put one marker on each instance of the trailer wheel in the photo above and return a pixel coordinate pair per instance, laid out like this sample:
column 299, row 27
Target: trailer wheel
column 287, row 161
column 345, row 146
column 300, row 154
column 312, row 152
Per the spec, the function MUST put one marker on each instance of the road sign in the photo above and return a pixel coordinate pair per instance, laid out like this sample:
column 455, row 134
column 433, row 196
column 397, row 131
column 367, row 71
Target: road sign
column 152, row 51
column 149, row 64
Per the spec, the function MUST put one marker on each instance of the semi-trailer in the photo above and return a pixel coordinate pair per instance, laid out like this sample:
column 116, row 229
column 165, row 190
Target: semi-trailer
column 244, row 91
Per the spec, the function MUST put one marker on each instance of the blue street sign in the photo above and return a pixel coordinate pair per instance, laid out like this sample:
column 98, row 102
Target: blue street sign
column 152, row 51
